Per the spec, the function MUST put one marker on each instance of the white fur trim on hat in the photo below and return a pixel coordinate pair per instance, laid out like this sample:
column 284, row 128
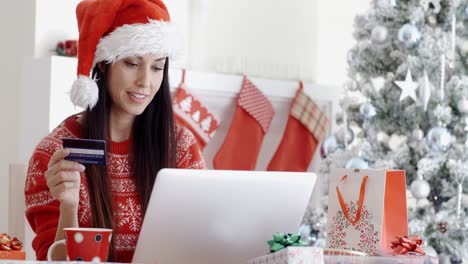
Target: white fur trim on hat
column 84, row 92
column 155, row 37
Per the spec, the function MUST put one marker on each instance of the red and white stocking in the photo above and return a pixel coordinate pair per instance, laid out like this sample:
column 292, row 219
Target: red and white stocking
column 252, row 118
column 306, row 126
column 192, row 114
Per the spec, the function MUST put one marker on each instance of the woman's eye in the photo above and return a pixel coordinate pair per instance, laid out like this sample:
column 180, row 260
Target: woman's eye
column 156, row 68
column 131, row 64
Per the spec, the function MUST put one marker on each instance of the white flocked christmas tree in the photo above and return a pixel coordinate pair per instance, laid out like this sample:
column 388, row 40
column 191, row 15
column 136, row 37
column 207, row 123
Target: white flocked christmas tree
column 406, row 107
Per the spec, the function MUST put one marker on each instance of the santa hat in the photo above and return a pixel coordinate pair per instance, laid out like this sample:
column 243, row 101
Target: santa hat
column 113, row 29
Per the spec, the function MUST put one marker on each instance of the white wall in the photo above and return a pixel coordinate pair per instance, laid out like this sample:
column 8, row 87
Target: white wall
column 24, row 27
column 335, row 23
column 55, row 21
column 16, row 29
column 264, row 38
column 181, row 17
column 298, row 39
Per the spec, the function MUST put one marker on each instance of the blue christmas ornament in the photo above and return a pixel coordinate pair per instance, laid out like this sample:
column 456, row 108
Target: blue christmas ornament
column 439, row 139
column 357, row 163
column 370, row 13
column 367, row 110
column 409, row 36
column 329, row 146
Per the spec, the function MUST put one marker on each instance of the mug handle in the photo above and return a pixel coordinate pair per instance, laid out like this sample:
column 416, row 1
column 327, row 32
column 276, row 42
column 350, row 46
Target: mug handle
column 51, row 248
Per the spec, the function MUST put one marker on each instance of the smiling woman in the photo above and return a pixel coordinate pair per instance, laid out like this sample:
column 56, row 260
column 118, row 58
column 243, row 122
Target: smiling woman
column 133, row 82
column 127, row 102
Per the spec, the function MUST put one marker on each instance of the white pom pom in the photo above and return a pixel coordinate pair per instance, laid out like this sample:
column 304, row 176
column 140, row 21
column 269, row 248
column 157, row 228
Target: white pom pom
column 84, row 92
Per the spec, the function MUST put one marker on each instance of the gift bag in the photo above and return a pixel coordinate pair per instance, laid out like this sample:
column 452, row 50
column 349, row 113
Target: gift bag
column 366, row 209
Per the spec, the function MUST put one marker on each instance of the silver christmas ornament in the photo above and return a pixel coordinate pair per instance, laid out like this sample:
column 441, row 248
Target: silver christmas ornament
column 420, row 189
column 408, row 87
column 418, row 134
column 367, row 110
column 439, row 139
column 379, row 34
column 340, row 136
column 462, row 106
column 357, row 163
column 409, row 36
column 329, row 146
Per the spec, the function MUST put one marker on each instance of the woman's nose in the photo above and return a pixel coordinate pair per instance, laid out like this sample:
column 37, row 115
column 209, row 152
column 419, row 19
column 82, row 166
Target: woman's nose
column 143, row 79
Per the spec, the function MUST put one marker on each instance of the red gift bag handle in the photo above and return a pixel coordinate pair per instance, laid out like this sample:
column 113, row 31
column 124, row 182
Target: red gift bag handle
column 183, row 76
column 360, row 201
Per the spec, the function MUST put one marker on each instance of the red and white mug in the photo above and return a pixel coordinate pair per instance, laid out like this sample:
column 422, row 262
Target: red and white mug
column 85, row 244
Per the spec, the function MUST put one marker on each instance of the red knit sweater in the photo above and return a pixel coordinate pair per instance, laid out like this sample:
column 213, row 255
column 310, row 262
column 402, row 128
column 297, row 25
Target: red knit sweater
column 42, row 210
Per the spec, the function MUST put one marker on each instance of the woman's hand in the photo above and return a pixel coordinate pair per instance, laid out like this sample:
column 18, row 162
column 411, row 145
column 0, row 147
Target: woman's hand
column 63, row 179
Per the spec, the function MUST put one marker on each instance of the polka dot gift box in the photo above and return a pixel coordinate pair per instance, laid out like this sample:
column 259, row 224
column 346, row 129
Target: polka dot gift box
column 85, row 244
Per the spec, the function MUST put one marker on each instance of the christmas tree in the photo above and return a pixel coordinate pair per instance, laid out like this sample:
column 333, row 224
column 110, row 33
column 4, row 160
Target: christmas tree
column 406, row 107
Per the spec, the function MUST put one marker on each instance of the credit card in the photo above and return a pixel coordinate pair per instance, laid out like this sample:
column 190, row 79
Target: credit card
column 86, row 151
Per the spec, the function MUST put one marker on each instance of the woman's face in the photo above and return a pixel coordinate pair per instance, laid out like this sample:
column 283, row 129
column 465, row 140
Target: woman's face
column 133, row 82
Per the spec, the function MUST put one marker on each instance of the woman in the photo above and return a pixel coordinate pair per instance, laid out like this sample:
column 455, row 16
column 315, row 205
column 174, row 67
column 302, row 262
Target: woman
column 128, row 45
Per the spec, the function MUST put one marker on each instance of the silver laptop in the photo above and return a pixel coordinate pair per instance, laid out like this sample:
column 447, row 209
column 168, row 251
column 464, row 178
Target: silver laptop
column 215, row 216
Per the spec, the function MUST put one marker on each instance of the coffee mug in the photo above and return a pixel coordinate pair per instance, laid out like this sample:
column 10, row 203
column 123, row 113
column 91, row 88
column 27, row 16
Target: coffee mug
column 85, row 244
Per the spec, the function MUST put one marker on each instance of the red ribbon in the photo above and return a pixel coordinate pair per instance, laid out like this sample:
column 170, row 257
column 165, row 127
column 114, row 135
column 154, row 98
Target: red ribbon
column 7, row 243
column 360, row 201
column 405, row 244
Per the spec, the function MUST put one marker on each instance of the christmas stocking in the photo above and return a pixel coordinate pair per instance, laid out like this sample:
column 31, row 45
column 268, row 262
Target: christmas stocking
column 192, row 114
column 251, row 121
column 305, row 128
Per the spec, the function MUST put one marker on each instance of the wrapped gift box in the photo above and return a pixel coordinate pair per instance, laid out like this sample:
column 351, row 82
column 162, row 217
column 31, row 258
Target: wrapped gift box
column 292, row 255
column 11, row 248
column 13, row 254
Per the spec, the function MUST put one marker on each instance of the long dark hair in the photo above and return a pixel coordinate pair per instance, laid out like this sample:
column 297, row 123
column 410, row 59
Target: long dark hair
column 154, row 147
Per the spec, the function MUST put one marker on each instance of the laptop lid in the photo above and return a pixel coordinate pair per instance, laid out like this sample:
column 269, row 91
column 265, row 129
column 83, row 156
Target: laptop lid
column 216, row 216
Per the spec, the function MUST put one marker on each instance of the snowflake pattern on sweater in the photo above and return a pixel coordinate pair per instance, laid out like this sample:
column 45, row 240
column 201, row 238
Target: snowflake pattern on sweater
column 42, row 210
